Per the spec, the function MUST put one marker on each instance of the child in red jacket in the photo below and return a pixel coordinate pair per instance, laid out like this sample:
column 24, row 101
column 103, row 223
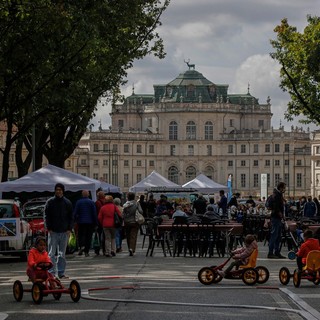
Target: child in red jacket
column 308, row 245
column 38, row 254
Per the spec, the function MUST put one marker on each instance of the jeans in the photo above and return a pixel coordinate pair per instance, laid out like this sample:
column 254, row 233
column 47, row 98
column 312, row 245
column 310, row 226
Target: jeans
column 57, row 245
column 275, row 236
column 119, row 238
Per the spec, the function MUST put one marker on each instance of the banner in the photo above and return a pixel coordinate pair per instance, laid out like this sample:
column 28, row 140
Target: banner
column 9, row 229
column 229, row 185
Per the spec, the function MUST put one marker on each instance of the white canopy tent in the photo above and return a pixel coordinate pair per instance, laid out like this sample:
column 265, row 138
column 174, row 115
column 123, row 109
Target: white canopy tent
column 205, row 185
column 154, row 179
column 45, row 179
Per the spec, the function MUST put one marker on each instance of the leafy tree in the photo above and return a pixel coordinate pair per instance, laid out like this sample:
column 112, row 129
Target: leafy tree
column 299, row 57
column 58, row 57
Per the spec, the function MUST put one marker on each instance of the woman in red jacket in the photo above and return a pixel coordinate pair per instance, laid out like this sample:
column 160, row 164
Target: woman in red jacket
column 106, row 219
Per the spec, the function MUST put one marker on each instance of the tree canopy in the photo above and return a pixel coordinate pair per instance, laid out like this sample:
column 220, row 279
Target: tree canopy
column 299, row 57
column 57, row 57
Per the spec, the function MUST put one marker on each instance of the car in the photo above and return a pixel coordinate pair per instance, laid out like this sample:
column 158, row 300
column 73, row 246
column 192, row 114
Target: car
column 33, row 211
column 15, row 231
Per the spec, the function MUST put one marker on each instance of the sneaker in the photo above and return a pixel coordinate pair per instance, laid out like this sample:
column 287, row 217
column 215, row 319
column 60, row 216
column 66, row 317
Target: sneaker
column 108, row 255
column 130, row 253
column 221, row 273
column 280, row 256
column 113, row 254
column 63, row 277
column 272, row 256
column 80, row 251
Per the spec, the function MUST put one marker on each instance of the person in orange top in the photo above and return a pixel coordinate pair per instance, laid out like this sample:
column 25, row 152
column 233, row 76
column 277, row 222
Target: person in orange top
column 36, row 255
column 308, row 245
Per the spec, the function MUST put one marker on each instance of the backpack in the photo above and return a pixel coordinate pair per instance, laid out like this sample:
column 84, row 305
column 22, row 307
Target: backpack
column 269, row 202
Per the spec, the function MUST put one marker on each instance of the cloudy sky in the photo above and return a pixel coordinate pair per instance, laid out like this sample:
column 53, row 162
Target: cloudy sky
column 229, row 43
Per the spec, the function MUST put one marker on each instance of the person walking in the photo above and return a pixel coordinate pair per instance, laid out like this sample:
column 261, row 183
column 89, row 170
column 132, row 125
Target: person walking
column 276, row 204
column 310, row 208
column 130, row 224
column 119, row 230
column 101, row 200
column 85, row 215
column 106, row 219
column 222, row 203
column 59, row 223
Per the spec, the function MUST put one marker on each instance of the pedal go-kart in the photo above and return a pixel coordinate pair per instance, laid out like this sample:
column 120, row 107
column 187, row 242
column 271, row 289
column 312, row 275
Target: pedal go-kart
column 43, row 287
column 311, row 271
column 249, row 273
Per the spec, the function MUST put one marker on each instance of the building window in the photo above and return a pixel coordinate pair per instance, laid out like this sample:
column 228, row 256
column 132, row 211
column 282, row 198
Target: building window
column 277, row 147
column 277, row 163
column 243, row 148
column 190, row 91
column 318, row 163
column 299, row 162
column 286, row 162
column 286, row 179
column 255, row 163
column 231, row 123
column 95, row 162
column 209, row 150
column 286, row 147
column 95, row 147
column 191, row 131
column 261, row 123
column 96, row 176
column 230, row 148
column 151, row 163
column 105, row 147
column 173, row 131
column 190, row 173
column 139, row 177
column 190, row 150
column 267, row 163
column 120, row 123
column 149, row 120
column 172, row 150
column 243, row 180
column 83, row 162
column 138, row 163
column 208, row 131
column 115, row 148
column 126, row 148
column 230, row 163
column 69, row 163
column 255, row 180
column 255, row 148
column 299, row 180
column 115, row 163
column 105, row 162
column 276, row 178
column 126, row 180
column 173, row 174
column 267, row 148
column 126, row 163
column 243, row 163
column 105, row 177
column 151, row 148
column 268, row 180
column 209, row 171
column 139, row 148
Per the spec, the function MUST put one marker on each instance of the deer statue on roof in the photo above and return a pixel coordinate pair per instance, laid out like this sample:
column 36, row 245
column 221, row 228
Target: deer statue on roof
column 189, row 65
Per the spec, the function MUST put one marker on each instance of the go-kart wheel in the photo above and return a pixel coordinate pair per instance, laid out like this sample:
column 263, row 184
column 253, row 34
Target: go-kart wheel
column 17, row 290
column 206, row 275
column 291, row 255
column 284, row 275
column 44, row 265
column 250, row 276
column 37, row 292
column 263, row 274
column 75, row 291
column 217, row 277
column 297, row 278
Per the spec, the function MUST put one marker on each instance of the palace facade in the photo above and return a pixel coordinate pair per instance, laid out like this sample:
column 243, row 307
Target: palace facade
column 192, row 125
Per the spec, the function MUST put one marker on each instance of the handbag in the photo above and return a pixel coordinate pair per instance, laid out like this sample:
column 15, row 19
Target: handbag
column 117, row 220
column 139, row 217
column 72, row 242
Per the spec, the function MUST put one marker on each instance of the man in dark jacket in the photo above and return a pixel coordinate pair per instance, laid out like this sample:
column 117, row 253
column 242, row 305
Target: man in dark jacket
column 85, row 215
column 59, row 223
column 200, row 205
column 277, row 214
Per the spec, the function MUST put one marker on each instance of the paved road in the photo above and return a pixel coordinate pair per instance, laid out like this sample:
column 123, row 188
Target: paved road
column 155, row 287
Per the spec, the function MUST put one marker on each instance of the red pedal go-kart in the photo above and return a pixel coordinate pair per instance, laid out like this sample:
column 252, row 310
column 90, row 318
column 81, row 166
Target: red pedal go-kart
column 249, row 273
column 43, row 287
column 311, row 271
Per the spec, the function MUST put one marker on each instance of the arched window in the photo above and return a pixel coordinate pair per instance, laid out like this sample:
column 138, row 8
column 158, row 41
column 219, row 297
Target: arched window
column 191, row 131
column 208, row 131
column 173, row 131
column 209, row 172
column 190, row 91
column 191, row 173
column 173, row 174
